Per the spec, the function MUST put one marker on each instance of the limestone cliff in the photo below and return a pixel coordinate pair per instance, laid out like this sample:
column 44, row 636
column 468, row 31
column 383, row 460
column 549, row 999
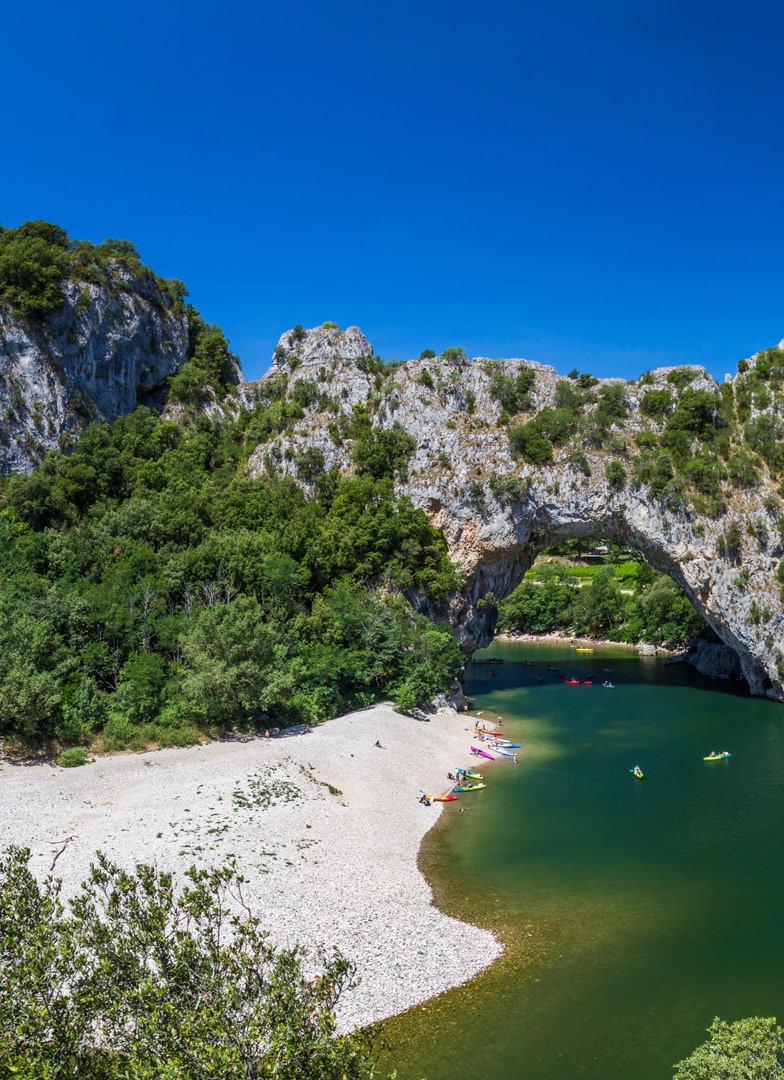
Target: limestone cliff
column 497, row 511
column 107, row 349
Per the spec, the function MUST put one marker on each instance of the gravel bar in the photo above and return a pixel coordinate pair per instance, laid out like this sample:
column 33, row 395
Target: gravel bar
column 326, row 827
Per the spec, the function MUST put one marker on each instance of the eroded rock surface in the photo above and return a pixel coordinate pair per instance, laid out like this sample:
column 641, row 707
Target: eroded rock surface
column 107, row 350
column 496, row 513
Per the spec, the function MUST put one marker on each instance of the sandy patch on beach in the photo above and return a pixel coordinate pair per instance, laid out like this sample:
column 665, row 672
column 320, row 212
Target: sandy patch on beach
column 323, row 869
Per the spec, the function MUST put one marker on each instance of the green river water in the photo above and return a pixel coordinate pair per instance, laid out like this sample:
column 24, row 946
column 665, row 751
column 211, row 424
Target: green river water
column 633, row 911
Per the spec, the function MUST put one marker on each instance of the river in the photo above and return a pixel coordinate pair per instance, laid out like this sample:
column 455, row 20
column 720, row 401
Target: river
column 633, row 911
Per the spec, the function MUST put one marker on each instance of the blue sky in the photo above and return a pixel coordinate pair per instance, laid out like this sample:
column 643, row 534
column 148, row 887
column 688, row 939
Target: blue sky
column 595, row 185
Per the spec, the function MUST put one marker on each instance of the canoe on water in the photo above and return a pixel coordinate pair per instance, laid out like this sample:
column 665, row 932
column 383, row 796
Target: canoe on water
column 482, row 753
column 717, row 757
column 472, row 775
column 503, row 744
column 463, row 788
column 638, row 773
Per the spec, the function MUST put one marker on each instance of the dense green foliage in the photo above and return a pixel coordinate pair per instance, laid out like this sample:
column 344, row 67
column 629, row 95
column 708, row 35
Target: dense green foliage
column 37, row 257
column 209, row 367
column 151, row 591
column 750, row 1049
column 702, row 442
column 596, row 600
column 135, row 980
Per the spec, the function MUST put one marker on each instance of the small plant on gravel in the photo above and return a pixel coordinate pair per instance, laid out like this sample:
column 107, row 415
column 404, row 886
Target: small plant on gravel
column 73, row 757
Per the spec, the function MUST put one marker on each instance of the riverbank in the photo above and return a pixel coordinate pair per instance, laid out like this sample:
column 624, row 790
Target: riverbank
column 326, row 827
column 557, row 638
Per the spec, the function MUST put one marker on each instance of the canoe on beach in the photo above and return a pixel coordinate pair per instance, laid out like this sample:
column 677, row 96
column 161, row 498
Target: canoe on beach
column 462, row 788
column 482, row 753
column 443, row 798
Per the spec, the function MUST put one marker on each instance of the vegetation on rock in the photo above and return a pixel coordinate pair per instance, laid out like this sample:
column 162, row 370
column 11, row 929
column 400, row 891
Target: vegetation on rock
column 152, row 592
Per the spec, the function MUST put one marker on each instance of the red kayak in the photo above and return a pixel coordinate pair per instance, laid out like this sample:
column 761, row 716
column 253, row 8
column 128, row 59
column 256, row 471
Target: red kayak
column 485, row 731
column 482, row 753
column 443, row 798
column 571, row 682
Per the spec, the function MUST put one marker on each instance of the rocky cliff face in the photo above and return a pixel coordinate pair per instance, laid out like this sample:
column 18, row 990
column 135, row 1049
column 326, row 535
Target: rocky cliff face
column 107, row 350
column 496, row 513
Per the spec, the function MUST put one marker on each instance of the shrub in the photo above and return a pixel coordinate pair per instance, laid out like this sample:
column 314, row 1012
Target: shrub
column 657, row 403
column 383, row 452
column 729, row 544
column 427, row 354
column 527, row 442
column 743, row 471
column 646, row 439
column 681, row 377
column 454, row 355
column 615, row 472
column 513, row 391
column 73, row 757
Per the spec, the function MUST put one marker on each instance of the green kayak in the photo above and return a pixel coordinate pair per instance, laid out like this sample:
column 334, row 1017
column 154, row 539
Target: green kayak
column 717, row 757
column 474, row 787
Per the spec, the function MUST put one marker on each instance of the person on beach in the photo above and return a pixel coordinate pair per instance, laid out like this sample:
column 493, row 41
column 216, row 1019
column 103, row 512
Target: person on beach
column 266, row 734
column 378, row 744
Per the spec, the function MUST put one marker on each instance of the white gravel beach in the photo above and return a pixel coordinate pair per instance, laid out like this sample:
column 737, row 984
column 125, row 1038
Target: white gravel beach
column 323, row 869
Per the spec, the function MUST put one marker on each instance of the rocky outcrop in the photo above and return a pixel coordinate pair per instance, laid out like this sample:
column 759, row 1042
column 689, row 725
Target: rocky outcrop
column 714, row 660
column 108, row 349
column 497, row 513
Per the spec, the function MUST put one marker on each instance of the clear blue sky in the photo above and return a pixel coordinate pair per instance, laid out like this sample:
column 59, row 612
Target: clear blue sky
column 593, row 184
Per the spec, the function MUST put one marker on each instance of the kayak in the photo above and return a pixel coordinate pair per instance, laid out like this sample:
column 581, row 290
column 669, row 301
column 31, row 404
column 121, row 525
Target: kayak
column 638, row 773
column 461, row 787
column 486, row 731
column 471, row 775
column 502, row 744
column 443, row 798
column 502, row 750
column 717, row 757
column 583, row 650
column 482, row 753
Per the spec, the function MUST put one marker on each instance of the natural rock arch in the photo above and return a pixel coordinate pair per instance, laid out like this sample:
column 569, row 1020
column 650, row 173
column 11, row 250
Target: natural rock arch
column 496, row 513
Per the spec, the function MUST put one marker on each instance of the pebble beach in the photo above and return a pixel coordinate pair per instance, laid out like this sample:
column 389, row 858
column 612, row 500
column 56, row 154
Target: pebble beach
column 325, row 827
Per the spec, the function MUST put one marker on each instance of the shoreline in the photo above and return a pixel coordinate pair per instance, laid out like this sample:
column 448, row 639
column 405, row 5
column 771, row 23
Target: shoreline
column 326, row 827
column 557, row 638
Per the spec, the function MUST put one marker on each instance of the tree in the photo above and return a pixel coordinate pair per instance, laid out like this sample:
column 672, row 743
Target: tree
column 744, row 1050
column 135, row 978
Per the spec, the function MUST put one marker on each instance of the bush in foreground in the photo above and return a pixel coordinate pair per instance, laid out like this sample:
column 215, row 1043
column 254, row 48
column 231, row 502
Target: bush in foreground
column 133, row 979
column 745, row 1050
